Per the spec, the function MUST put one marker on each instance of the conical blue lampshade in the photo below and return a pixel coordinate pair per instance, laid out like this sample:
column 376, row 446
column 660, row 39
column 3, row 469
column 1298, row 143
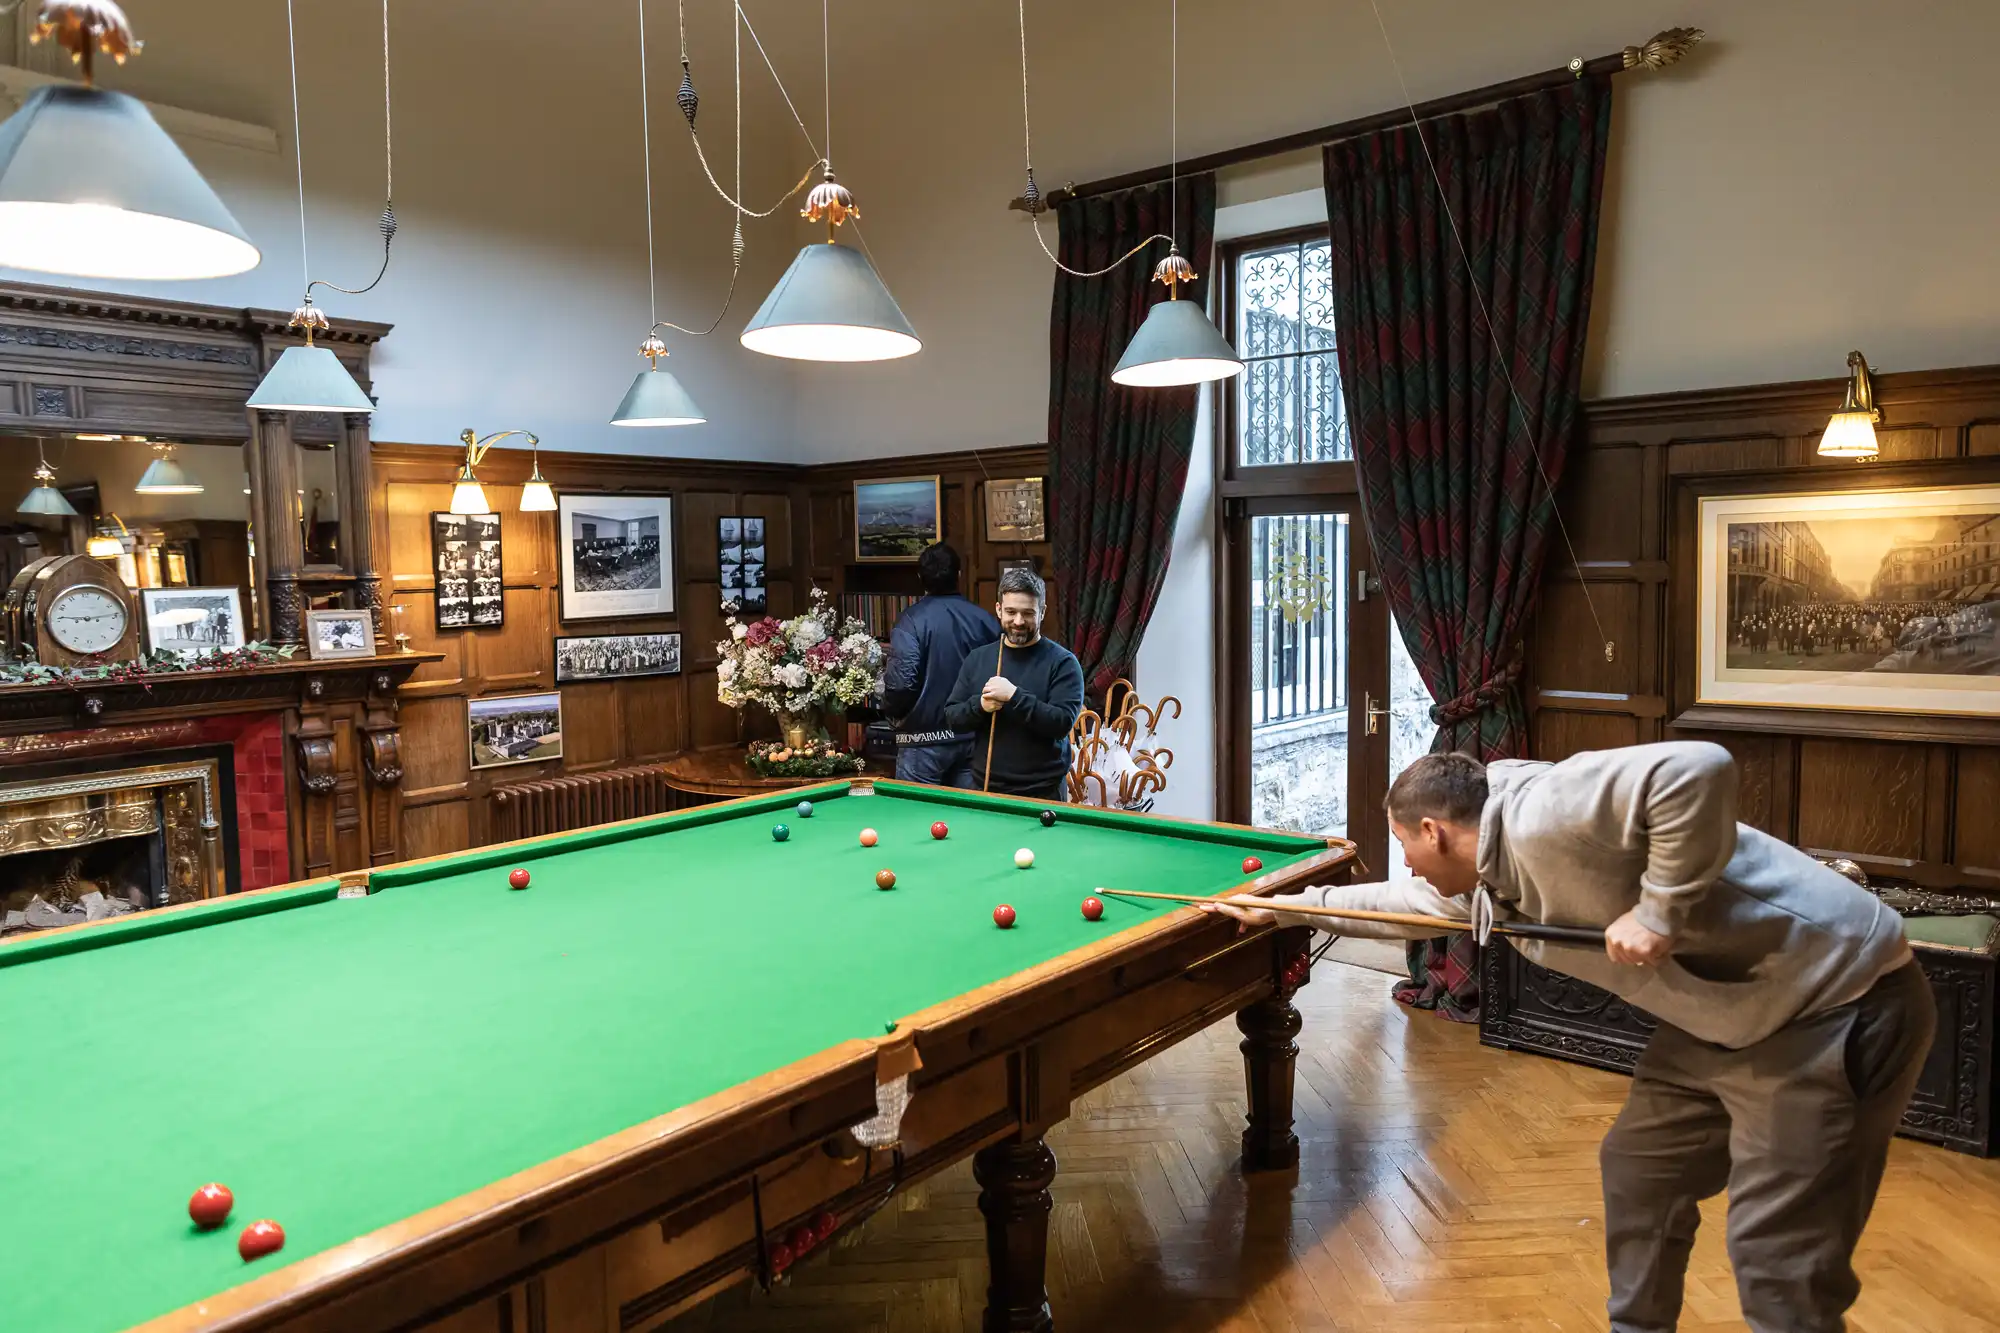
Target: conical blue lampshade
column 309, row 379
column 831, row 306
column 90, row 185
column 1176, row 345
column 46, row 499
column 656, row 398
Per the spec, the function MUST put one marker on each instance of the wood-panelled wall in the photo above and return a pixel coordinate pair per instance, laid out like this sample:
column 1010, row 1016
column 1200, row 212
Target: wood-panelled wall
column 1922, row 811
column 810, row 517
column 605, row 724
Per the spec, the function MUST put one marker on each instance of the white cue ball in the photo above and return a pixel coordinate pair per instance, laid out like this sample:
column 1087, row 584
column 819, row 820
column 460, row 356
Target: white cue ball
column 1024, row 858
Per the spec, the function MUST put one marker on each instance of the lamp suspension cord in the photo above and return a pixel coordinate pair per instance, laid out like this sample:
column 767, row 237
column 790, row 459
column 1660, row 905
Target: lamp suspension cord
column 298, row 145
column 646, row 139
column 735, row 200
column 1479, row 298
column 826, row 75
column 1028, row 153
column 387, row 223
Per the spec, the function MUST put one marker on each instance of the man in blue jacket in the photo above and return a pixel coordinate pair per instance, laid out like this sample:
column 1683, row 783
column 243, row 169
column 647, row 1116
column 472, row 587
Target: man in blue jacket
column 926, row 649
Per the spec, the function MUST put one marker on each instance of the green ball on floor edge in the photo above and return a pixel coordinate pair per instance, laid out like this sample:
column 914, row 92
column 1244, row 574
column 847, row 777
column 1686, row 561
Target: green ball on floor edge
column 780, row 832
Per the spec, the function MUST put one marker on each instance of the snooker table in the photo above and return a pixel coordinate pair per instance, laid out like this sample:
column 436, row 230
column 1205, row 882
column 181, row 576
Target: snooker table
column 595, row 1101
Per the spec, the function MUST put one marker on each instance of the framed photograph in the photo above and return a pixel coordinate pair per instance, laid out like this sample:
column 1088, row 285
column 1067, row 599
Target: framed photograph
column 1027, row 562
column 514, row 729
column 895, row 518
column 581, row 657
column 465, row 562
column 1862, row 603
column 337, row 634
column 617, row 555
column 1014, row 511
column 740, row 564
column 193, row 622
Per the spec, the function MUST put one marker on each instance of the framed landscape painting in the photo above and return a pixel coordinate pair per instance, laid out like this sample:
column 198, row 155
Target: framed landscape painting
column 895, row 518
column 617, row 555
column 1855, row 599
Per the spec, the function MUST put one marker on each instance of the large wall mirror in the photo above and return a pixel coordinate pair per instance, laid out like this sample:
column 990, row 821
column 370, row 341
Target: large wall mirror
column 163, row 514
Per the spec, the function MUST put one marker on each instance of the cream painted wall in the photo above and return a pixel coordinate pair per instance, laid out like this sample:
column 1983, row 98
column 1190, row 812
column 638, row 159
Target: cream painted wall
column 518, row 286
column 1815, row 178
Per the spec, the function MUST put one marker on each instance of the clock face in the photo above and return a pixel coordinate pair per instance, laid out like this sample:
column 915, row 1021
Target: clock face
column 87, row 620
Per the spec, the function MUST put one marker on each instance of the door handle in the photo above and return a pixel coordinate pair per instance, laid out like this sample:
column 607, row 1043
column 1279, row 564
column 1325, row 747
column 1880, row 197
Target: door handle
column 1374, row 713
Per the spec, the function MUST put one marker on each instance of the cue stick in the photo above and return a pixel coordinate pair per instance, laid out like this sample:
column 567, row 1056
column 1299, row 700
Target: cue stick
column 1529, row 930
column 993, row 729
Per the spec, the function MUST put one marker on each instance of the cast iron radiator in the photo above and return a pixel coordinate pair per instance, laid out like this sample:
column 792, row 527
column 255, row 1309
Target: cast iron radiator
column 555, row 805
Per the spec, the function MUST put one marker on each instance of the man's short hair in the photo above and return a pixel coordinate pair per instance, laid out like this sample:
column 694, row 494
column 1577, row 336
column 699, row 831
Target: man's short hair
column 1018, row 579
column 1446, row 787
column 937, row 568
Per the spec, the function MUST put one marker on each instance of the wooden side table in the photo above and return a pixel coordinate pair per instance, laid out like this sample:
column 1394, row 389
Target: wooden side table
column 721, row 774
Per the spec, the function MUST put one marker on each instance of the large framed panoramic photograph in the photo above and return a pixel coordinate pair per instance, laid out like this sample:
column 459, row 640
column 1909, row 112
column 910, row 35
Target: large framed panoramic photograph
column 895, row 518
column 581, row 657
column 514, row 729
column 192, row 622
column 1853, row 599
column 617, row 555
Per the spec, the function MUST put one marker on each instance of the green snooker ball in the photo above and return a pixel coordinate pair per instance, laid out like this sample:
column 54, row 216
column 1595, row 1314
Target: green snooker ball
column 780, row 832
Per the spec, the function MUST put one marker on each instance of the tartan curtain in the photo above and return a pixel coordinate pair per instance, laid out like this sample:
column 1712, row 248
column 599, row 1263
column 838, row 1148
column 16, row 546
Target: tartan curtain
column 1119, row 456
column 1456, row 502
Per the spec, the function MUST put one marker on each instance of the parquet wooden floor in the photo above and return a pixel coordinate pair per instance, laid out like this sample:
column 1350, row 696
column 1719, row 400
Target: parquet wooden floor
column 1444, row 1187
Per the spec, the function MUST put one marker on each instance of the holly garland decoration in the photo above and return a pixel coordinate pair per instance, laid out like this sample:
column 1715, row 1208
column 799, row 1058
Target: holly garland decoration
column 144, row 669
column 814, row 759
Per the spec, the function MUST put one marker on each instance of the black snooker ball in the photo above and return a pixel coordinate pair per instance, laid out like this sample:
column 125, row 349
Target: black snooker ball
column 780, row 832
column 1048, row 818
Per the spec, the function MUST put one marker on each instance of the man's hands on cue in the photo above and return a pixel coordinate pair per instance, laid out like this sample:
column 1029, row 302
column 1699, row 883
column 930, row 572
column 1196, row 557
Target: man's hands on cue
column 1244, row 915
column 997, row 692
column 1627, row 941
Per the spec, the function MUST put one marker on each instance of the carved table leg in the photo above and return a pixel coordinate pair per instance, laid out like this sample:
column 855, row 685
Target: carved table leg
column 1269, row 1056
column 1014, row 1196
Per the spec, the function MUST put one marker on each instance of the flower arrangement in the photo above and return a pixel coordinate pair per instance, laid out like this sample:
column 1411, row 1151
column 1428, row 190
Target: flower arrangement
column 815, row 759
column 794, row 668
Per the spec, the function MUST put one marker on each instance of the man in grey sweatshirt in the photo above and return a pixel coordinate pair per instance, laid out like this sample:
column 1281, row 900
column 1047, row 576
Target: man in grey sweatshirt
column 1793, row 1017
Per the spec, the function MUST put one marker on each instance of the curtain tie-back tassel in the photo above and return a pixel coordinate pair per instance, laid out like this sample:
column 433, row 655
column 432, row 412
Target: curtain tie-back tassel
column 1489, row 692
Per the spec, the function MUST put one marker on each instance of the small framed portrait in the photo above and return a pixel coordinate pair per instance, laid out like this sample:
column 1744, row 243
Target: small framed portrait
column 340, row 633
column 617, row 555
column 514, row 729
column 1871, row 591
column 1014, row 511
column 193, row 622
column 895, row 518
column 1027, row 562
column 581, row 657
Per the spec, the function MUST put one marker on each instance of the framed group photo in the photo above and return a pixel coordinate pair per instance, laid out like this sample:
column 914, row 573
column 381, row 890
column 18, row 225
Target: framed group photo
column 617, row 555
column 741, row 569
column 582, row 657
column 192, row 622
column 1878, row 595
column 465, row 562
column 895, row 518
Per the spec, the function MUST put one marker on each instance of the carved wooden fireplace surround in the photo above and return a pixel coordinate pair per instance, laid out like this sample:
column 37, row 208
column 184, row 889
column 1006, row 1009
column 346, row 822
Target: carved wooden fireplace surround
column 73, row 361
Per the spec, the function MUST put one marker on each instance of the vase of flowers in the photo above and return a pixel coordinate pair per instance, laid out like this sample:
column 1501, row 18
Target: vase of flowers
column 797, row 668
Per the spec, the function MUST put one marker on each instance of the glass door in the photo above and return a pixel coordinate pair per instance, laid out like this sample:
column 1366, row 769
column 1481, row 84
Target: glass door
column 1298, row 688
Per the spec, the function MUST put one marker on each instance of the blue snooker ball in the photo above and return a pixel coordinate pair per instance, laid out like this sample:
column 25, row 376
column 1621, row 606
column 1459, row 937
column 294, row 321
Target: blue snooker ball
column 805, row 809
column 780, row 832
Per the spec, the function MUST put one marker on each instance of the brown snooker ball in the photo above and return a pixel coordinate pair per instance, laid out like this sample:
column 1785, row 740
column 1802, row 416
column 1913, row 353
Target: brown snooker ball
column 518, row 880
column 210, row 1206
column 1093, row 909
column 885, row 879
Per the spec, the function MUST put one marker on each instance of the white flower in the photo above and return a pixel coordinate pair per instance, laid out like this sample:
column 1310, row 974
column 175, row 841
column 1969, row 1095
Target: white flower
column 805, row 632
column 725, row 670
column 792, row 676
column 737, row 631
column 860, row 642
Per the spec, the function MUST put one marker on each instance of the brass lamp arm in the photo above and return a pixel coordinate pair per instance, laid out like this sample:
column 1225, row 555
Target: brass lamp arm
column 475, row 450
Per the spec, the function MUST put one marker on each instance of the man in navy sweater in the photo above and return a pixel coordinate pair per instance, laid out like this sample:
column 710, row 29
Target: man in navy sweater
column 926, row 648
column 1024, row 708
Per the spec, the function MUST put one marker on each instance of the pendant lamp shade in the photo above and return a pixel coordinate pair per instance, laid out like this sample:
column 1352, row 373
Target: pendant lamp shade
column 309, row 379
column 656, row 398
column 1176, row 345
column 163, row 476
column 45, row 498
column 91, row 186
column 831, row 306
column 467, row 495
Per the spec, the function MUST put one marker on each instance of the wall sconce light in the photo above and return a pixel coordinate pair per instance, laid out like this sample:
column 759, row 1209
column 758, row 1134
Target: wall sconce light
column 104, row 544
column 469, row 497
column 1851, row 431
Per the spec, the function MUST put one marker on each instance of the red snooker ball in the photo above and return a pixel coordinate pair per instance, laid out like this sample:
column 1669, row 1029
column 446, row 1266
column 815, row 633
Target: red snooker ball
column 803, row 1238
column 1003, row 916
column 1251, row 865
column 518, row 880
column 869, row 837
column 940, row 830
column 824, row 1226
column 1093, row 909
column 210, row 1206
column 259, row 1239
column 781, row 1257
column 885, row 879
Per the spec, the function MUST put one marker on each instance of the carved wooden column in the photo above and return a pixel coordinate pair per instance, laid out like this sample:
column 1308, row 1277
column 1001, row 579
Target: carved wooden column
column 382, row 758
column 280, row 551
column 357, row 520
column 1014, row 1179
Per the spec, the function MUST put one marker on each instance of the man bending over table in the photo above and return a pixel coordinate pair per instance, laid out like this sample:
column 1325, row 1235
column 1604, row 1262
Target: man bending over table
column 1018, row 697
column 1793, row 1017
